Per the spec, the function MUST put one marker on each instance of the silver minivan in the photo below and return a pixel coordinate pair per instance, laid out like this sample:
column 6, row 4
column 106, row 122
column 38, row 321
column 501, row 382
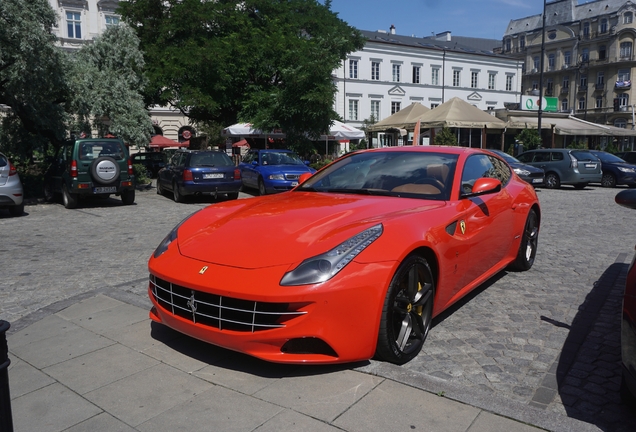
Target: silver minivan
column 565, row 166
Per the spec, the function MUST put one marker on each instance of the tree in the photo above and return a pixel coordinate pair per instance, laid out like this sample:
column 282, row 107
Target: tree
column 445, row 137
column 264, row 61
column 529, row 138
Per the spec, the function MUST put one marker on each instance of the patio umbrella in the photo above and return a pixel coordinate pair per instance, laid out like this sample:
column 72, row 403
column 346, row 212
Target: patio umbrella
column 246, row 129
column 401, row 120
column 160, row 141
column 457, row 113
column 340, row 130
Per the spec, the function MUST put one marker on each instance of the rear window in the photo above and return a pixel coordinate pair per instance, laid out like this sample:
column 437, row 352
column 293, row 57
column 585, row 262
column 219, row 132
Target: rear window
column 584, row 155
column 212, row 159
column 3, row 161
column 96, row 149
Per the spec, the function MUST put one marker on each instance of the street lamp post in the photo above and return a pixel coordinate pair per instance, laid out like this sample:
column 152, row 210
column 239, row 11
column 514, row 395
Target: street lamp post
column 541, row 74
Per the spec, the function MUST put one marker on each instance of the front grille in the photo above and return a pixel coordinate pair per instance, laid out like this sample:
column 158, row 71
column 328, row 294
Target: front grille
column 292, row 176
column 224, row 313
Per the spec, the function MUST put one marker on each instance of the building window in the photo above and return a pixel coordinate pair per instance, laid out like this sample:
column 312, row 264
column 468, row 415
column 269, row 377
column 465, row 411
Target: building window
column 491, row 81
column 567, row 58
column 549, row 87
column 585, row 55
column 600, row 78
column 583, row 81
column 416, row 74
column 564, row 105
column 456, row 78
column 474, row 77
column 623, row 75
column 623, row 99
column 74, row 25
column 353, row 69
column 566, row 82
column 599, row 102
column 603, row 26
column 535, row 85
column 508, row 42
column 522, row 41
column 602, row 52
column 626, row 50
column 396, row 73
column 586, row 30
column 375, row 109
column 508, row 82
column 111, row 20
column 395, row 107
column 550, row 62
column 581, row 104
column 628, row 18
column 620, row 123
column 435, row 76
column 535, row 60
column 375, row 71
column 353, row 110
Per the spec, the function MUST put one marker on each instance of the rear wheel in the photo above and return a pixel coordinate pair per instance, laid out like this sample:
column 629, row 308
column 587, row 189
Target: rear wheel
column 128, row 196
column 233, row 195
column 608, row 180
column 16, row 210
column 69, row 199
column 552, row 181
column 407, row 312
column 529, row 242
column 176, row 193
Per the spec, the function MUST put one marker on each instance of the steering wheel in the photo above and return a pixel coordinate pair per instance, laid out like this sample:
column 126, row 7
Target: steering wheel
column 431, row 181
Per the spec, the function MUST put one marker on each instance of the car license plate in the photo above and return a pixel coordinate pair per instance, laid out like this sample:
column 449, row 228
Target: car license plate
column 105, row 189
column 592, row 166
column 213, row 176
column 537, row 180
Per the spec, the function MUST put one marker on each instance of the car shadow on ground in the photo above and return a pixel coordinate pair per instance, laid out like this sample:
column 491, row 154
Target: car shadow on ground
column 235, row 361
column 589, row 370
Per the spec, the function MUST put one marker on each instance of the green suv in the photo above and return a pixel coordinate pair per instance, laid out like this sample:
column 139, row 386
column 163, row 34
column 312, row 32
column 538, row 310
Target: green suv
column 90, row 167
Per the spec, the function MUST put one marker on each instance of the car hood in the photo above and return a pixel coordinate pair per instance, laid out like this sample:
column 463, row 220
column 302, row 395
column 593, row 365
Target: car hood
column 285, row 228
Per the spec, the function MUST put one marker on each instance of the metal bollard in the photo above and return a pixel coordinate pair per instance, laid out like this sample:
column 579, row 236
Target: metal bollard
column 6, row 420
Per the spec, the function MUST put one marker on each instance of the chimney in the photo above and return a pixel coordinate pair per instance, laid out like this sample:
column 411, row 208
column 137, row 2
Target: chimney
column 392, row 29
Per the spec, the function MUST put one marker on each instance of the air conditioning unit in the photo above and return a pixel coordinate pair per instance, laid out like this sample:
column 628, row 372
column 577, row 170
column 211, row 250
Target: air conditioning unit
column 533, row 70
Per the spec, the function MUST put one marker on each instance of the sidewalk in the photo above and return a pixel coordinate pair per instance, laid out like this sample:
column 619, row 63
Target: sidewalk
column 97, row 363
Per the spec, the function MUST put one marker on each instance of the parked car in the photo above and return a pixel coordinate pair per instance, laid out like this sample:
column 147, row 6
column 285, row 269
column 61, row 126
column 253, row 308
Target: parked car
column 153, row 161
column 615, row 170
column 628, row 156
column 272, row 171
column 402, row 233
column 627, row 199
column 90, row 167
column 528, row 173
column 11, row 191
column 199, row 172
column 565, row 166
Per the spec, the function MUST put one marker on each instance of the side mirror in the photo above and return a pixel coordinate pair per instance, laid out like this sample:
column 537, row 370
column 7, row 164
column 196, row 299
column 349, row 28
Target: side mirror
column 303, row 177
column 255, row 163
column 484, row 185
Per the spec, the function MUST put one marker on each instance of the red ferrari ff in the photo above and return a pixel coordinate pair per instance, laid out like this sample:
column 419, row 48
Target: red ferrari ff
column 352, row 263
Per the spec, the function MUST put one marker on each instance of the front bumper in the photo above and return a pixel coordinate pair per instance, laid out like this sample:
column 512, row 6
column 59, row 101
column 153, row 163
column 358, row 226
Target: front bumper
column 333, row 322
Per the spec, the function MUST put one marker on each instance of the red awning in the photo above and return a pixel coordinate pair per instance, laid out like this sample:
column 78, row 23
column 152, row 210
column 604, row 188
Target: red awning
column 159, row 141
column 241, row 143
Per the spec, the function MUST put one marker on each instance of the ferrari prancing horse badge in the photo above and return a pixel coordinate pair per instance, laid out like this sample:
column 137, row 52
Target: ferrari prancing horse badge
column 462, row 226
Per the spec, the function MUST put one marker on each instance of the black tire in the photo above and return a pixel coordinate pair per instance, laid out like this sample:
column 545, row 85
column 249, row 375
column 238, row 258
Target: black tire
column 580, row 186
column 261, row 187
column 552, row 181
column 69, row 199
column 407, row 312
column 176, row 194
column 608, row 180
column 529, row 242
column 128, row 196
column 105, row 170
column 159, row 187
column 233, row 195
column 49, row 195
column 626, row 396
column 16, row 210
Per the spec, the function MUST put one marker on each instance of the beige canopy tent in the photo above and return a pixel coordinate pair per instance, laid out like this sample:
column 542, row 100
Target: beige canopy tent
column 457, row 113
column 402, row 120
column 567, row 126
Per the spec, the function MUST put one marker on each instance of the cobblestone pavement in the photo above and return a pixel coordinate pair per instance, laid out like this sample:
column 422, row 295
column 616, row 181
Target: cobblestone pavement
column 548, row 338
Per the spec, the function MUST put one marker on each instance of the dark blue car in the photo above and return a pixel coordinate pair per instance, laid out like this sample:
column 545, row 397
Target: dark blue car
column 615, row 170
column 198, row 172
column 533, row 175
column 272, row 171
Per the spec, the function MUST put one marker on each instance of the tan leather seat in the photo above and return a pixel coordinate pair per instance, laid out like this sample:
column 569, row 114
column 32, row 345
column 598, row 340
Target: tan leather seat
column 438, row 172
column 423, row 189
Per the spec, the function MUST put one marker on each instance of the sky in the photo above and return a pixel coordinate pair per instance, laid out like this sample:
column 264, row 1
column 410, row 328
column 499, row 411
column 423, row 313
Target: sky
column 473, row 18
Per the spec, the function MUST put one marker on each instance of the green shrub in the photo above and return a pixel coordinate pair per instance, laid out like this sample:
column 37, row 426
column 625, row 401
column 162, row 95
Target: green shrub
column 141, row 174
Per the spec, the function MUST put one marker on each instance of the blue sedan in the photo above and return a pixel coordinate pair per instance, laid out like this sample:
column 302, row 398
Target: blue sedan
column 272, row 171
column 615, row 170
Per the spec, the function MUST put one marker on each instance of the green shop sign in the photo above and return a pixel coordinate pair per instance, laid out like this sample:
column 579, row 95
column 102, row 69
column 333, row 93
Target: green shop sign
column 531, row 103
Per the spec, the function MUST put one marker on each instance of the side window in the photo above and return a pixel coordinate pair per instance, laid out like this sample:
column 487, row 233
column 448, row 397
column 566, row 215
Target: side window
column 542, row 157
column 525, row 157
column 500, row 170
column 476, row 166
column 557, row 156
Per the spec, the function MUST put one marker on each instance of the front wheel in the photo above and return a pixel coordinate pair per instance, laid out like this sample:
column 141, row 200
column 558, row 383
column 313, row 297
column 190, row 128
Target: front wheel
column 552, row 181
column 261, row 187
column 608, row 180
column 49, row 195
column 407, row 312
column 529, row 242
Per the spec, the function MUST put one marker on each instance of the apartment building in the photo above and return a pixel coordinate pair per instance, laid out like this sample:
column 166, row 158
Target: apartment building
column 588, row 57
column 81, row 21
column 393, row 71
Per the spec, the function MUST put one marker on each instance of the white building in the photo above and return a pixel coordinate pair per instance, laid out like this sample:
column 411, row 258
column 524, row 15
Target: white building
column 393, row 71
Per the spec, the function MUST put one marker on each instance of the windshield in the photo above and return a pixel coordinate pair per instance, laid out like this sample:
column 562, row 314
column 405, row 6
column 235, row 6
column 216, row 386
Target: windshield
column 505, row 156
column 402, row 174
column 280, row 158
column 608, row 157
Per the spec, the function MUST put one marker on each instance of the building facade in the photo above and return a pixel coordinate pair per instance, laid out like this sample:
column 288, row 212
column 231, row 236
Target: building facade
column 81, row 21
column 588, row 57
column 393, row 71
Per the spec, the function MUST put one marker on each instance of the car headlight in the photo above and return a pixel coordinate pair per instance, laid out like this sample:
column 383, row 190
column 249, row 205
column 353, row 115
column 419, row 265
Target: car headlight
column 323, row 267
column 172, row 236
column 521, row 172
column 627, row 170
column 277, row 177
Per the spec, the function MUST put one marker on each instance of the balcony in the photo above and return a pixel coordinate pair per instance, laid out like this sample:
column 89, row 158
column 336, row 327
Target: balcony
column 582, row 88
column 623, row 85
column 565, row 90
column 598, row 86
